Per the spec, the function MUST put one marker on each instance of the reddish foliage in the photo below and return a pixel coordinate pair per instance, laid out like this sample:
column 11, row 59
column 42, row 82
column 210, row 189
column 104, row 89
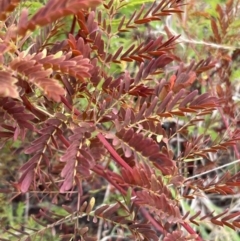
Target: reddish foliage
column 85, row 124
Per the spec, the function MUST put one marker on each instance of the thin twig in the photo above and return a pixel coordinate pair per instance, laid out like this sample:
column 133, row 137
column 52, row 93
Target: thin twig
column 106, row 196
column 215, row 169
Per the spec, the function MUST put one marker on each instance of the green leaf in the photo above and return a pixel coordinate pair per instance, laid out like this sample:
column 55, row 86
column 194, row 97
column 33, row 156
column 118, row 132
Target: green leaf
column 128, row 196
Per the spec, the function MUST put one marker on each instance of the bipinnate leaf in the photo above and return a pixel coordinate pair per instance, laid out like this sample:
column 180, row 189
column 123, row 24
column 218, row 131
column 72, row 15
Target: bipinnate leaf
column 78, row 66
column 78, row 160
column 39, row 148
column 36, row 74
column 146, row 147
column 39, row 69
column 7, row 85
column 14, row 110
column 52, row 11
column 164, row 207
column 26, row 178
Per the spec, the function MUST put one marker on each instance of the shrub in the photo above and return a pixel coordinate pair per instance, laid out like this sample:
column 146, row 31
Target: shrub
column 114, row 132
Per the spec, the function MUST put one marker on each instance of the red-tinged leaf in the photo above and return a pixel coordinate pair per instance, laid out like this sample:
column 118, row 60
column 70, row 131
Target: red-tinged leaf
column 24, row 124
column 162, row 14
column 156, row 53
column 7, row 85
column 127, row 118
column 82, row 170
column 176, row 112
column 26, row 180
column 166, row 115
column 118, row 219
column 35, row 148
column 149, row 234
column 164, row 103
column 189, row 197
column 195, row 216
column 175, row 10
column 145, row 56
column 5, row 134
column 231, row 216
column 174, row 101
column 126, row 59
column 116, row 61
column 126, row 30
column 115, row 56
column 68, row 168
column 229, row 143
column 110, row 210
column 127, row 151
column 150, row 150
column 145, row 230
column 100, row 210
column 157, row 72
column 87, row 155
column 140, row 112
column 13, row 110
column 215, row 30
column 54, row 122
column 83, row 162
column 106, row 6
column 168, row 43
column 188, row 99
column 127, row 135
column 221, row 214
column 131, row 18
column 126, row 176
column 146, row 20
column 236, row 224
column 8, row 104
column 43, row 139
column 141, row 90
column 219, row 147
column 121, row 23
column 163, row 60
column 23, row 116
column 175, row 235
column 137, row 58
column 205, row 68
column 139, row 225
column 188, row 110
column 209, row 150
column 200, row 99
column 17, row 132
column 128, row 51
column 33, row 160
column 137, row 178
column 228, row 224
column 233, row 184
column 151, row 108
column 68, row 183
column 195, row 222
column 8, row 127
column 196, row 107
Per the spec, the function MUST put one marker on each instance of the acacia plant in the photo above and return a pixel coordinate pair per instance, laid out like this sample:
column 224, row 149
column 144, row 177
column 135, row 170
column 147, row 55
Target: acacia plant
column 99, row 123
